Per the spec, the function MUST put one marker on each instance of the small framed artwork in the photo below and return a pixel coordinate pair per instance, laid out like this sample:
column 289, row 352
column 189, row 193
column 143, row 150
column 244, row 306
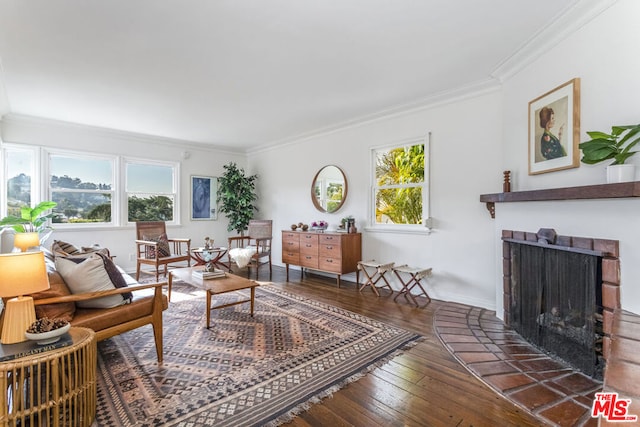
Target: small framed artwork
column 204, row 190
column 554, row 129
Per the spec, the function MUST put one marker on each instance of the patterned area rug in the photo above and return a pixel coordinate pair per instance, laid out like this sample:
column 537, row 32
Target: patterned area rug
column 244, row 371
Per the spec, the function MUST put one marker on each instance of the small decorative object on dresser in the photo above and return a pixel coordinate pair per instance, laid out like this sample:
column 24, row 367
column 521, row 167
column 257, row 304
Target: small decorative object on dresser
column 319, row 225
column 346, row 223
column 330, row 252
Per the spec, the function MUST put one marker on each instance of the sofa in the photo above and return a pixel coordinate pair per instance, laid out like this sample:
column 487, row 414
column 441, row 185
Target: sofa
column 140, row 304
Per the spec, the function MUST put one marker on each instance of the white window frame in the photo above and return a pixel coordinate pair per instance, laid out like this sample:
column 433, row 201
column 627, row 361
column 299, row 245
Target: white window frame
column 40, row 182
column 35, row 167
column 425, row 227
column 175, row 182
column 115, row 186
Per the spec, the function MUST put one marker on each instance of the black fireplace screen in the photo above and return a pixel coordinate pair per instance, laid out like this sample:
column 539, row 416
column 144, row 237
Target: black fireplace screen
column 556, row 303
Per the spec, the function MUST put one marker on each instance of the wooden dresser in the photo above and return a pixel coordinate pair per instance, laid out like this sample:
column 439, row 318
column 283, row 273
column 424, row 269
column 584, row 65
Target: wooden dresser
column 329, row 252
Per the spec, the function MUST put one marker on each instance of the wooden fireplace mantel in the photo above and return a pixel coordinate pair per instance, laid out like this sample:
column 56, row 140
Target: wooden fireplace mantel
column 600, row 191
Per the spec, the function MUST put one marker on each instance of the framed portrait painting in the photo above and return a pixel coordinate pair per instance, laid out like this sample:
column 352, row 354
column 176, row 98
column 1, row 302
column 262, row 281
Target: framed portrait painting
column 554, row 129
column 204, row 190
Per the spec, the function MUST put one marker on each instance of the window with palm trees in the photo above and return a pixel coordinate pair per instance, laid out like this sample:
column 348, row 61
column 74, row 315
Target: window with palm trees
column 400, row 185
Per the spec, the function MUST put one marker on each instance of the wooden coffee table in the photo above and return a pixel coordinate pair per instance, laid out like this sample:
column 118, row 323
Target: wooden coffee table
column 230, row 283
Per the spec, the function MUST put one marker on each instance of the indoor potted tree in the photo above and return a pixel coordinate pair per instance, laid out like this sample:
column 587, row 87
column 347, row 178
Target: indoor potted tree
column 237, row 196
column 618, row 146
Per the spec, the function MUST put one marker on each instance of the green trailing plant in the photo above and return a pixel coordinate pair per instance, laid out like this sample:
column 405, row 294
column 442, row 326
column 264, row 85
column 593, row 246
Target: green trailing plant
column 237, row 196
column 604, row 146
column 31, row 219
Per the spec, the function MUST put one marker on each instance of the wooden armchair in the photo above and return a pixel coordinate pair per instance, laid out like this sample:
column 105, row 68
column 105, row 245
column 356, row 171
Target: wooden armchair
column 256, row 245
column 153, row 247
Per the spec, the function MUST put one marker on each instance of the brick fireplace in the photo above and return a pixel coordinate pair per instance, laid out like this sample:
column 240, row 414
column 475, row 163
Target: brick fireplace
column 608, row 282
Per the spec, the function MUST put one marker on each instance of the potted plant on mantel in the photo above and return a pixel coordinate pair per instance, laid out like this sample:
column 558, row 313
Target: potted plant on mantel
column 617, row 146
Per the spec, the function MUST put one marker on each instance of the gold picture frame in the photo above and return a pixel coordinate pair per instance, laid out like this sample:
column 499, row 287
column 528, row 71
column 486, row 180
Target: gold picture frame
column 554, row 129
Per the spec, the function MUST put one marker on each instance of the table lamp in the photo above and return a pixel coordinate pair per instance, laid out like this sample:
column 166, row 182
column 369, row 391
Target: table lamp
column 21, row 273
column 24, row 241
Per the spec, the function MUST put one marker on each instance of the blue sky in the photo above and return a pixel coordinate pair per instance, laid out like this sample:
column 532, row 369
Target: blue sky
column 140, row 177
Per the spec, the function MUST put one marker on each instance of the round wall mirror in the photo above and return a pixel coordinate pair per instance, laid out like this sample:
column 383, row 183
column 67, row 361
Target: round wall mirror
column 329, row 189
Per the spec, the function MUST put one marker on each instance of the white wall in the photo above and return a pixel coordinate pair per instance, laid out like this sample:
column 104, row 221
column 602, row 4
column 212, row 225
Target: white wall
column 465, row 161
column 120, row 240
column 603, row 54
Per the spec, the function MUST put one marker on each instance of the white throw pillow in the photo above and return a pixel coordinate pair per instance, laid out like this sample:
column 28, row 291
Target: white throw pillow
column 89, row 275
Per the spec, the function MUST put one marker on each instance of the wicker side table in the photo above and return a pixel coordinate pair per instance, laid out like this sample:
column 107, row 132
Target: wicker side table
column 55, row 388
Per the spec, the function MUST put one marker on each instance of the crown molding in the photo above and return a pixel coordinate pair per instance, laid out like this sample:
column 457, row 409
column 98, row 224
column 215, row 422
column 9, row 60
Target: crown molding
column 438, row 99
column 575, row 16
column 32, row 121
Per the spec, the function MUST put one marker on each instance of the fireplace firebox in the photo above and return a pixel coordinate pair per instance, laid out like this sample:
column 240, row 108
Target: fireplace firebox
column 554, row 295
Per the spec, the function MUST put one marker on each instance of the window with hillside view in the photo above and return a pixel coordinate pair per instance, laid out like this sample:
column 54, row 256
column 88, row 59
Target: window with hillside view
column 83, row 188
column 90, row 189
column 151, row 191
column 400, row 185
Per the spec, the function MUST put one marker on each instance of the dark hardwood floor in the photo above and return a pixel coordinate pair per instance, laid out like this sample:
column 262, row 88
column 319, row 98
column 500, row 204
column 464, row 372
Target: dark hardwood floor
column 425, row 386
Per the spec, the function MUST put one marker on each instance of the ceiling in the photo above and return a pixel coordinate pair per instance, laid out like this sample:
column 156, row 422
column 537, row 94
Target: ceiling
column 246, row 74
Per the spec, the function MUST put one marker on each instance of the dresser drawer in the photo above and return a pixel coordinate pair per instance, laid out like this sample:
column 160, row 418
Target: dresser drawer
column 309, row 246
column 290, row 257
column 309, row 237
column 330, row 251
column 290, row 236
column 330, row 239
column 330, row 264
column 290, row 246
column 310, row 261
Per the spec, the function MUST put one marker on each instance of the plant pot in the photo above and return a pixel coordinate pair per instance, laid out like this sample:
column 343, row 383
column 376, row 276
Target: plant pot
column 621, row 173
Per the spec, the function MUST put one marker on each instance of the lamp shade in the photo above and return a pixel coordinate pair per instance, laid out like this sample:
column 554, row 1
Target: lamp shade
column 24, row 241
column 22, row 273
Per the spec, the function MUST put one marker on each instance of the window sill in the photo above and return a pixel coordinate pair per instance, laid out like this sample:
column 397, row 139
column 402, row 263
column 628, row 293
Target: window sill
column 413, row 230
column 83, row 227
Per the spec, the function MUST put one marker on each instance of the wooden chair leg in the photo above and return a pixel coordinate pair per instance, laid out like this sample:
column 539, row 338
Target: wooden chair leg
column 157, row 323
column 138, row 272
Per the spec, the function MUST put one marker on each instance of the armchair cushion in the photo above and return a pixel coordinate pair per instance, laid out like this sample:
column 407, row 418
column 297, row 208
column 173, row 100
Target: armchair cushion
column 91, row 273
column 163, row 246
